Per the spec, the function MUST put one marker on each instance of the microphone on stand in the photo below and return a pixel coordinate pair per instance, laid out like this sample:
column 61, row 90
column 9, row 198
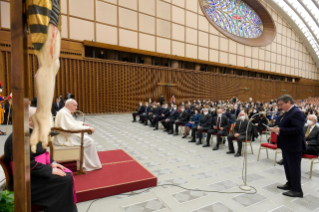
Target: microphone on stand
column 246, row 187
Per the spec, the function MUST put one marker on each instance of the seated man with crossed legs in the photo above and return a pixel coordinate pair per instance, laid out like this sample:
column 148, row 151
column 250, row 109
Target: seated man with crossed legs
column 220, row 126
column 204, row 124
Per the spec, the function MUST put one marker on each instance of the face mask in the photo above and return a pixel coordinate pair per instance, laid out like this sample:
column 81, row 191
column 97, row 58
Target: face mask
column 310, row 123
column 255, row 111
column 205, row 113
column 146, row 105
column 242, row 118
column 219, row 115
column 140, row 104
column 182, row 110
column 196, row 112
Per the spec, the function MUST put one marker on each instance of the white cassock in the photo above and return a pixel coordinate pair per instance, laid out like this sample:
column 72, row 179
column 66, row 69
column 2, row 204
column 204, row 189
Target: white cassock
column 65, row 120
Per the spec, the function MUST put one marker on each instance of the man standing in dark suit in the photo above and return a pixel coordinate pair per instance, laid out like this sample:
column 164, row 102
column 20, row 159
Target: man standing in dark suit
column 162, row 100
column 220, row 126
column 56, row 106
column 291, row 141
column 168, row 123
column 164, row 115
column 239, row 133
column 204, row 124
column 312, row 136
column 139, row 111
column 182, row 119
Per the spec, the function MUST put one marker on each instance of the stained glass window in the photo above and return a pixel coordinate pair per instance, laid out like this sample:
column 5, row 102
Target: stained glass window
column 235, row 17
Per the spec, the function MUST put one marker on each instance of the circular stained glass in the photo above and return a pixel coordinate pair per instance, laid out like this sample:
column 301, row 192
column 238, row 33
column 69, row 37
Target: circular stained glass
column 235, row 17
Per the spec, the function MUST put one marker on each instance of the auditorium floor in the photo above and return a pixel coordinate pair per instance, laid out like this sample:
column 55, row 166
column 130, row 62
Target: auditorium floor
column 175, row 161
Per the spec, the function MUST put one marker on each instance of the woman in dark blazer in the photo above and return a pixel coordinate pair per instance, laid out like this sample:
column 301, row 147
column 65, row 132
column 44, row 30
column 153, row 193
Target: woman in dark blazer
column 192, row 123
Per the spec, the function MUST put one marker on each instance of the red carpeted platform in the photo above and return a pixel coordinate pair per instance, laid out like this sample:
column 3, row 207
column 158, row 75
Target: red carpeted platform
column 120, row 173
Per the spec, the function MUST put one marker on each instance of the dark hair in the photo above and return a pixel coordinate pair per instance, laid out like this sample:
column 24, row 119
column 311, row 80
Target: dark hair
column 286, row 98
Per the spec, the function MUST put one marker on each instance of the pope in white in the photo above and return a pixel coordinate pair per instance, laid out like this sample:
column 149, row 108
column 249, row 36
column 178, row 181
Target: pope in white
column 65, row 120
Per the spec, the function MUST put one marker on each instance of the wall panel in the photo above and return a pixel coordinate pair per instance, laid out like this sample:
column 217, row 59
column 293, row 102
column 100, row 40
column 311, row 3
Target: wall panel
column 103, row 86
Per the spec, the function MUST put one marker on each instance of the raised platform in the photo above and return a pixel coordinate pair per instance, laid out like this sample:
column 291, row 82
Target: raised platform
column 120, row 173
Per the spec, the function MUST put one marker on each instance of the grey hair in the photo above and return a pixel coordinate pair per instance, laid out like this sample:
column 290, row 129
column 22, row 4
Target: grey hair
column 69, row 101
column 314, row 116
column 286, row 98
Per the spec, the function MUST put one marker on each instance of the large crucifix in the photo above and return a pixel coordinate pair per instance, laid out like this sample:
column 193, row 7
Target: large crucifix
column 43, row 21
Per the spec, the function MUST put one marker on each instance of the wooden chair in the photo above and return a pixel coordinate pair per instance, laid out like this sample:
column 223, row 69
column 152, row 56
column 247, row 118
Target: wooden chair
column 7, row 170
column 181, row 128
column 312, row 158
column 65, row 153
column 271, row 145
column 8, row 173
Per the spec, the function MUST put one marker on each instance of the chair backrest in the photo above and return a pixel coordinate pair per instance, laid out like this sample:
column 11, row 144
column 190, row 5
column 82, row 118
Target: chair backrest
column 267, row 121
column 229, row 127
column 7, row 170
column 273, row 137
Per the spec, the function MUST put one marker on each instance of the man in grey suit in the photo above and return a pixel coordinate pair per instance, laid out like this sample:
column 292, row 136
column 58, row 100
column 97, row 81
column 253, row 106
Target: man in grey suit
column 312, row 136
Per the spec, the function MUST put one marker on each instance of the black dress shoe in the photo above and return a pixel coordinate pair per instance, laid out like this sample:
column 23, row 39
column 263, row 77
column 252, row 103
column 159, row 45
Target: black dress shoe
column 199, row 143
column 192, row 141
column 281, row 162
column 175, row 134
column 206, row 145
column 230, row 152
column 284, row 187
column 184, row 136
column 156, row 129
column 293, row 194
column 133, row 121
column 237, row 155
column 215, row 148
column 170, row 132
column 165, row 130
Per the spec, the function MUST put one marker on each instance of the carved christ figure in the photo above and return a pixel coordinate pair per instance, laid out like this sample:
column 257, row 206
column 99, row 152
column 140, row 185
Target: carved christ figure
column 44, row 24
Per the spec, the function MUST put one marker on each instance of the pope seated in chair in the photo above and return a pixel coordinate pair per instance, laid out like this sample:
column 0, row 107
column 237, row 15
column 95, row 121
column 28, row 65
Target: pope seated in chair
column 65, row 120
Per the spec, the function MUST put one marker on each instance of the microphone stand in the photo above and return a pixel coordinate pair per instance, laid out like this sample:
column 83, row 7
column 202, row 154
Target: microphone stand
column 246, row 187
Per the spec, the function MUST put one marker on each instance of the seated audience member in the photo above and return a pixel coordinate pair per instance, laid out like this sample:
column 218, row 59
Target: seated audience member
column 260, row 125
column 51, row 183
column 204, row 124
column 139, row 111
column 312, row 136
column 182, row 119
column 150, row 114
column 220, row 126
column 239, row 133
column 65, row 120
column 157, row 112
column 272, row 118
column 164, row 115
column 169, row 121
column 192, row 123
column 144, row 114
column 56, row 106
